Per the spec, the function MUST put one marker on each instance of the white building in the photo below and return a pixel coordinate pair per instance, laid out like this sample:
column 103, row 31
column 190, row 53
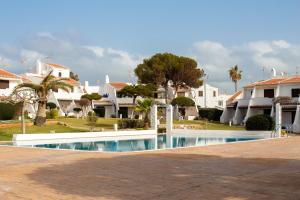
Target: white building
column 258, row 98
column 65, row 101
column 8, row 81
column 206, row 96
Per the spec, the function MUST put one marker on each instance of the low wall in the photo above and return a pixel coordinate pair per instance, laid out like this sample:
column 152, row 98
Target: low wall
column 34, row 139
column 222, row 133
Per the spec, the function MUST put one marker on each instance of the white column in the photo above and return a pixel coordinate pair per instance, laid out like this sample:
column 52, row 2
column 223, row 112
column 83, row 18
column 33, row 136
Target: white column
column 278, row 120
column 296, row 123
column 169, row 125
column 153, row 117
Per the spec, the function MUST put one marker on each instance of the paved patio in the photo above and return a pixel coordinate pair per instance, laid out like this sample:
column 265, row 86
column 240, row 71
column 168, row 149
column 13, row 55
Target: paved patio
column 250, row 170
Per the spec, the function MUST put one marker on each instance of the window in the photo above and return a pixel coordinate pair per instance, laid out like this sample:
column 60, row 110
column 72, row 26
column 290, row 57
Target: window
column 214, row 93
column 59, row 74
column 4, row 84
column 220, row 103
column 200, row 93
column 269, row 93
column 296, row 92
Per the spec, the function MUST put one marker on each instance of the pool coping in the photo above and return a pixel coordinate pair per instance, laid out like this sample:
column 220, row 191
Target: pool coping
column 143, row 151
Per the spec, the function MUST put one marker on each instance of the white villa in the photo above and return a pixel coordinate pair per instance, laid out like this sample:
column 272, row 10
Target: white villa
column 65, row 101
column 258, row 98
column 111, row 104
column 8, row 81
column 206, row 96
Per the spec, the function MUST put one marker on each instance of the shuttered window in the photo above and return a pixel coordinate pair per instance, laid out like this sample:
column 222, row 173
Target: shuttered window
column 4, row 84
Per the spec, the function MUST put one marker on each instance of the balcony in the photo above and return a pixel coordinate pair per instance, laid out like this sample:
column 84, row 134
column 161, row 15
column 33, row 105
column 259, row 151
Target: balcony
column 261, row 102
column 243, row 103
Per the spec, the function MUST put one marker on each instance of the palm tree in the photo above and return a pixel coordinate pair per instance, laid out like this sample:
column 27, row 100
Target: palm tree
column 235, row 75
column 42, row 90
column 145, row 108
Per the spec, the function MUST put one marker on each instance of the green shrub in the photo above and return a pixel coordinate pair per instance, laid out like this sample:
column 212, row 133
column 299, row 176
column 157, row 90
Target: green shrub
column 77, row 110
column 161, row 130
column 92, row 119
column 130, row 123
column 51, row 105
column 52, row 114
column 183, row 102
column 7, row 111
column 260, row 122
column 212, row 114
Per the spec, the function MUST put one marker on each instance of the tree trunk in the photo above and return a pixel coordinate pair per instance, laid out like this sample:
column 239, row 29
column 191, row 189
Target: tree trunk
column 235, row 86
column 166, row 93
column 40, row 118
column 146, row 121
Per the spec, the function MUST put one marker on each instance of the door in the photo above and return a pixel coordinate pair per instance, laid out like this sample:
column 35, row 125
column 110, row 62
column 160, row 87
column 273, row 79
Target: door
column 123, row 111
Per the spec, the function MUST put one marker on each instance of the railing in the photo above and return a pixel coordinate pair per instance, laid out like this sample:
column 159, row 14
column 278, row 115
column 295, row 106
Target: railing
column 261, row 101
column 243, row 102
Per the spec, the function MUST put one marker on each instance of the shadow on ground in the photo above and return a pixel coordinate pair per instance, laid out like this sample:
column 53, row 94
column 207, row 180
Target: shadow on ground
column 174, row 176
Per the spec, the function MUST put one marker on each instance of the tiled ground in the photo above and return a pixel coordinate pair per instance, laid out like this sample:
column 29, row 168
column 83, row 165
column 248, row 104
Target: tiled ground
column 250, row 170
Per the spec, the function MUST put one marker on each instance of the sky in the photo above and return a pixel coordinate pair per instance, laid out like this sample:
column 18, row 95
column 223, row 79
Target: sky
column 97, row 37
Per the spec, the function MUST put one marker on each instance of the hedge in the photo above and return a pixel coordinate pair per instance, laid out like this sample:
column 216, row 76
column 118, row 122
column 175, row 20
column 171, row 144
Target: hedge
column 7, row 111
column 211, row 114
column 52, row 114
column 260, row 123
column 130, row 123
column 183, row 102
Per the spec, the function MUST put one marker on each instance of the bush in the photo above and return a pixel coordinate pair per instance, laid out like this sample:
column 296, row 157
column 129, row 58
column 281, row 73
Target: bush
column 77, row 110
column 212, row 114
column 260, row 123
column 92, row 118
column 130, row 123
column 161, row 130
column 51, row 105
column 7, row 111
column 52, row 114
column 183, row 102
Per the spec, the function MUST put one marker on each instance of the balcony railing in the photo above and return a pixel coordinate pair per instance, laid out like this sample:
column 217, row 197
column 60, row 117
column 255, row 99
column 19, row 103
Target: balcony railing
column 243, row 102
column 261, row 101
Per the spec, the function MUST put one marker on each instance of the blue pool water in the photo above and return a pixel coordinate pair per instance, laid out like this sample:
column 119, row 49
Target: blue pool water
column 143, row 144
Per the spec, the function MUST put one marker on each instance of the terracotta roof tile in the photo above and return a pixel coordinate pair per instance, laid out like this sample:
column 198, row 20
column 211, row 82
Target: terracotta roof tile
column 72, row 82
column 294, row 79
column 6, row 74
column 118, row 85
column 275, row 81
column 234, row 96
column 57, row 66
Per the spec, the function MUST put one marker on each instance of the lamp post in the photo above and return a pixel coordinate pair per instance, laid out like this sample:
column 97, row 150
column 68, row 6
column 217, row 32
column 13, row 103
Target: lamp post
column 23, row 96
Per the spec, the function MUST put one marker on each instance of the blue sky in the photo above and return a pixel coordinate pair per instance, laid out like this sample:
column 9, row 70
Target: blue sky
column 136, row 29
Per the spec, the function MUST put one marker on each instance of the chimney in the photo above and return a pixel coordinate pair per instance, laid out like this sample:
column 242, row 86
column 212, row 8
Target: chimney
column 86, row 84
column 38, row 67
column 106, row 79
column 274, row 72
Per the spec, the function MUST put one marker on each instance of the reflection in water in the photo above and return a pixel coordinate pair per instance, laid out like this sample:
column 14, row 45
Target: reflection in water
column 142, row 144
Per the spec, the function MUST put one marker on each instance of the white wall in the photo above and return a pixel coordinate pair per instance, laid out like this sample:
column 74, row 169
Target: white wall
column 211, row 100
column 286, row 90
column 12, row 84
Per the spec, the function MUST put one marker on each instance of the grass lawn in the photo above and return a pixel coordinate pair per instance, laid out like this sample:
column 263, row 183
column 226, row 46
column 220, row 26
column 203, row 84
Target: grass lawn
column 200, row 124
column 81, row 125
column 7, row 133
column 102, row 123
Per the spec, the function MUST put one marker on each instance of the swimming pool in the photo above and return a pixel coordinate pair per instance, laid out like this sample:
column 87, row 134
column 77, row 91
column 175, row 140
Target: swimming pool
column 144, row 144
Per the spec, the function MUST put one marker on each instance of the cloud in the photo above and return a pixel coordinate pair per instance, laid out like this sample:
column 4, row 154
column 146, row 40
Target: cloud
column 92, row 62
column 89, row 61
column 255, row 58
